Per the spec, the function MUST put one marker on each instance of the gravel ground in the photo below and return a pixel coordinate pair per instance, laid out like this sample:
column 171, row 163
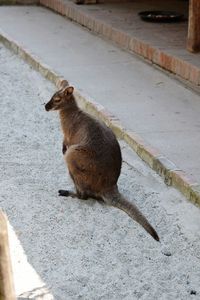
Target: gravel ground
column 70, row 249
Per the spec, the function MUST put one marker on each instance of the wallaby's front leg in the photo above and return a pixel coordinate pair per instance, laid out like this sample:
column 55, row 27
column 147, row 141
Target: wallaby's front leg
column 64, row 148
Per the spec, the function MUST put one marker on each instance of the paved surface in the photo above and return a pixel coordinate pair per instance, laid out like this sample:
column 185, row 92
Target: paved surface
column 71, row 249
column 161, row 110
column 124, row 16
column 162, row 44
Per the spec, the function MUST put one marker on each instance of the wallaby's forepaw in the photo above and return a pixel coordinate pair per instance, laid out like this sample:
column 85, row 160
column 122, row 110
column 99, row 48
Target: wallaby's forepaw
column 64, row 149
column 63, row 193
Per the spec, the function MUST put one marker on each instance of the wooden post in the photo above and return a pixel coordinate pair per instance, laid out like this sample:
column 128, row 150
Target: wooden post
column 193, row 41
column 6, row 280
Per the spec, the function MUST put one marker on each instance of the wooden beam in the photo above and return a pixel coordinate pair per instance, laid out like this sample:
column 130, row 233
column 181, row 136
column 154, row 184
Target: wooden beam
column 193, row 41
column 6, row 280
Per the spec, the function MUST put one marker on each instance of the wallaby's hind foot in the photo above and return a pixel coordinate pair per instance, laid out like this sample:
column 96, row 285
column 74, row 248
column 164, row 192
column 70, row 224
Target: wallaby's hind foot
column 66, row 193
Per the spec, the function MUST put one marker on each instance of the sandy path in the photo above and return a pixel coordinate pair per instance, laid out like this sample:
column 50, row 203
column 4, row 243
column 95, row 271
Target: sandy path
column 70, row 249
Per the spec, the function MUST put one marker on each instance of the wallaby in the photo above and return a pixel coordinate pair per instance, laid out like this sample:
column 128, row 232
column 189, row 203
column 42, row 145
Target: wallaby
column 93, row 156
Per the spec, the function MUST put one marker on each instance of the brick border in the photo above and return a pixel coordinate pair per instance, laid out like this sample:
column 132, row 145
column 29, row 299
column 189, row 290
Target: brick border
column 171, row 174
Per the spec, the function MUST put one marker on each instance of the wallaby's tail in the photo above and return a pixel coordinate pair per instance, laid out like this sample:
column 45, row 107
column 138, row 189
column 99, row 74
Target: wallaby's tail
column 117, row 200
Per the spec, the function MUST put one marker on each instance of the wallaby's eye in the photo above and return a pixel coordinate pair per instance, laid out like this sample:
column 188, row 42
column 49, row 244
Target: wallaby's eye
column 57, row 99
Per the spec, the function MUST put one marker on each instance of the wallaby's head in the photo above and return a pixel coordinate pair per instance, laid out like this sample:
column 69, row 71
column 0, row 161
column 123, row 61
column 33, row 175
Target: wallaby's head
column 61, row 99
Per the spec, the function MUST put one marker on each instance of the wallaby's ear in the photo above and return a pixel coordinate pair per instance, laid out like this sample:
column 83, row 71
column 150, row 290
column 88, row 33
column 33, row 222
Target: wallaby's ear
column 68, row 91
column 64, row 84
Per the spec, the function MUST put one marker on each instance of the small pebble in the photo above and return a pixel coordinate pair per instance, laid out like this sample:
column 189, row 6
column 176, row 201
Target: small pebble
column 166, row 252
column 193, row 292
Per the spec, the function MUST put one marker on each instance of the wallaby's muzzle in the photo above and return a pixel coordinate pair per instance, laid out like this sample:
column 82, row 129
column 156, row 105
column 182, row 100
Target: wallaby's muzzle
column 48, row 106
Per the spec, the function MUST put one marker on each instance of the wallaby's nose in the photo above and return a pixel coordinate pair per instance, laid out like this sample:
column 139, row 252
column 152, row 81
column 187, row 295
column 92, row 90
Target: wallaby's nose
column 48, row 106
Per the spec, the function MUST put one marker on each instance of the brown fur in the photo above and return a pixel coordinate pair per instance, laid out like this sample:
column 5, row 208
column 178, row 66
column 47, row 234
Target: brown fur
column 93, row 156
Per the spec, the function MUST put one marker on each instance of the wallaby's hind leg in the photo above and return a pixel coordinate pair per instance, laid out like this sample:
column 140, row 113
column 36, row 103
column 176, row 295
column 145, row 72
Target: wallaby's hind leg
column 82, row 170
column 78, row 194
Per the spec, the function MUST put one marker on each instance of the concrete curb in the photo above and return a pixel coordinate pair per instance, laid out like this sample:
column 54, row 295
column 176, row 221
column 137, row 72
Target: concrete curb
column 171, row 174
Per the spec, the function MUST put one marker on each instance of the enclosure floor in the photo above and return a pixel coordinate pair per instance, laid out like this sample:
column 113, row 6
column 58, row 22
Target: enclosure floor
column 72, row 249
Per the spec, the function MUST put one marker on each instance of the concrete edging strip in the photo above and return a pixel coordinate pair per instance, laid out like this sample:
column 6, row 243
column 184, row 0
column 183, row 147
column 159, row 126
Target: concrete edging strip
column 171, row 174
